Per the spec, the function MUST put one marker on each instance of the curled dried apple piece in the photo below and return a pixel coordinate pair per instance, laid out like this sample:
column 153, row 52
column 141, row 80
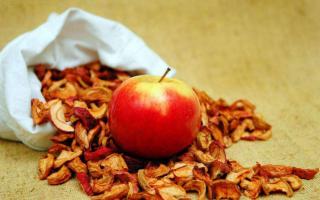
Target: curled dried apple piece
column 293, row 180
column 196, row 185
column 204, row 158
column 237, row 176
column 131, row 179
column 222, row 189
column 277, row 186
column 252, row 188
column 59, row 177
column 183, row 170
column 171, row 191
column 39, row 112
column 156, row 171
column 57, row 148
column 115, row 162
column 81, row 136
column 102, row 184
column 273, row 171
column 63, row 92
column 101, row 94
column 65, row 156
column 98, row 154
column 86, row 118
column 203, row 140
column 218, row 169
column 77, row 165
column 260, row 124
column 45, row 165
column 93, row 132
column 98, row 112
column 247, row 124
column 84, row 181
column 58, row 118
column 305, row 173
column 95, row 169
column 200, row 173
column 217, row 151
column 145, row 181
column 204, row 115
column 117, row 191
column 62, row 137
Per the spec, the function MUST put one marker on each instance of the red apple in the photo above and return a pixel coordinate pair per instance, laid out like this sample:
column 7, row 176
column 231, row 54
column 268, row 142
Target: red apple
column 154, row 119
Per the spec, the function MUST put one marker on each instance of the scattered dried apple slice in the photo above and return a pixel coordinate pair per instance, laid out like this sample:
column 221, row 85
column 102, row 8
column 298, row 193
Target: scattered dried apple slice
column 59, row 177
column 45, row 166
column 65, row 156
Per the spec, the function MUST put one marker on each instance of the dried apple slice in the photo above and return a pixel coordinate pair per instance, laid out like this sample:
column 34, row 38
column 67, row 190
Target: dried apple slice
column 98, row 112
column 58, row 119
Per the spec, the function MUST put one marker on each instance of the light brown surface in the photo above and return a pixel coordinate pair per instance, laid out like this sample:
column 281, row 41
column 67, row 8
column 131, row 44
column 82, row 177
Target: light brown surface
column 265, row 51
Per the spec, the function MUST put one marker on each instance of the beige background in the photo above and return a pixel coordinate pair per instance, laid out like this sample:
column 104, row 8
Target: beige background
column 262, row 50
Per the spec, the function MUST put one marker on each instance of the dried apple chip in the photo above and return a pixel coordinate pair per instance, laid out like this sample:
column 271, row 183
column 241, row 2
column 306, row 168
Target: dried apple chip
column 196, row 185
column 115, row 162
column 277, row 186
column 77, row 165
column 58, row 119
column 59, row 177
column 222, row 189
column 65, row 156
column 85, row 183
column 45, row 165
column 117, row 191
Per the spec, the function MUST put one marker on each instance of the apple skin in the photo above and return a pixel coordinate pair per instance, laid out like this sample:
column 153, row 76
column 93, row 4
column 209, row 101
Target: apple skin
column 154, row 120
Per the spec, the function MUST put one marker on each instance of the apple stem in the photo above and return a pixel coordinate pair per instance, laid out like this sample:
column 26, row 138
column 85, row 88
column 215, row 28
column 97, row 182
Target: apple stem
column 165, row 74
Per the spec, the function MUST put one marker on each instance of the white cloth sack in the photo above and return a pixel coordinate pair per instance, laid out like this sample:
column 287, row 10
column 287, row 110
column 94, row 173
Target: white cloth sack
column 72, row 38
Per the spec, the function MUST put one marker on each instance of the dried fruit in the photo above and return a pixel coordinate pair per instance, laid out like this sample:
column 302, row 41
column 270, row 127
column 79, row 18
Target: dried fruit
column 77, row 105
column 103, row 184
column 237, row 176
column 156, row 171
column 39, row 112
column 85, row 183
column 218, row 169
column 293, row 180
column 81, row 136
column 57, row 148
column 117, row 191
column 115, row 162
column 222, row 189
column 273, row 171
column 198, row 186
column 86, row 118
column 58, row 119
column 100, row 94
column 45, row 165
column 277, row 186
column 98, row 154
column 171, row 191
column 59, row 177
column 65, row 156
column 98, row 112
column 305, row 173
column 62, row 137
column 77, row 165
column 252, row 188
column 95, row 169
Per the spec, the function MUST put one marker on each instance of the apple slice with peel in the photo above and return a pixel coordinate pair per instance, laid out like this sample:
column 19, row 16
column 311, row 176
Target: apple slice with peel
column 58, row 119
